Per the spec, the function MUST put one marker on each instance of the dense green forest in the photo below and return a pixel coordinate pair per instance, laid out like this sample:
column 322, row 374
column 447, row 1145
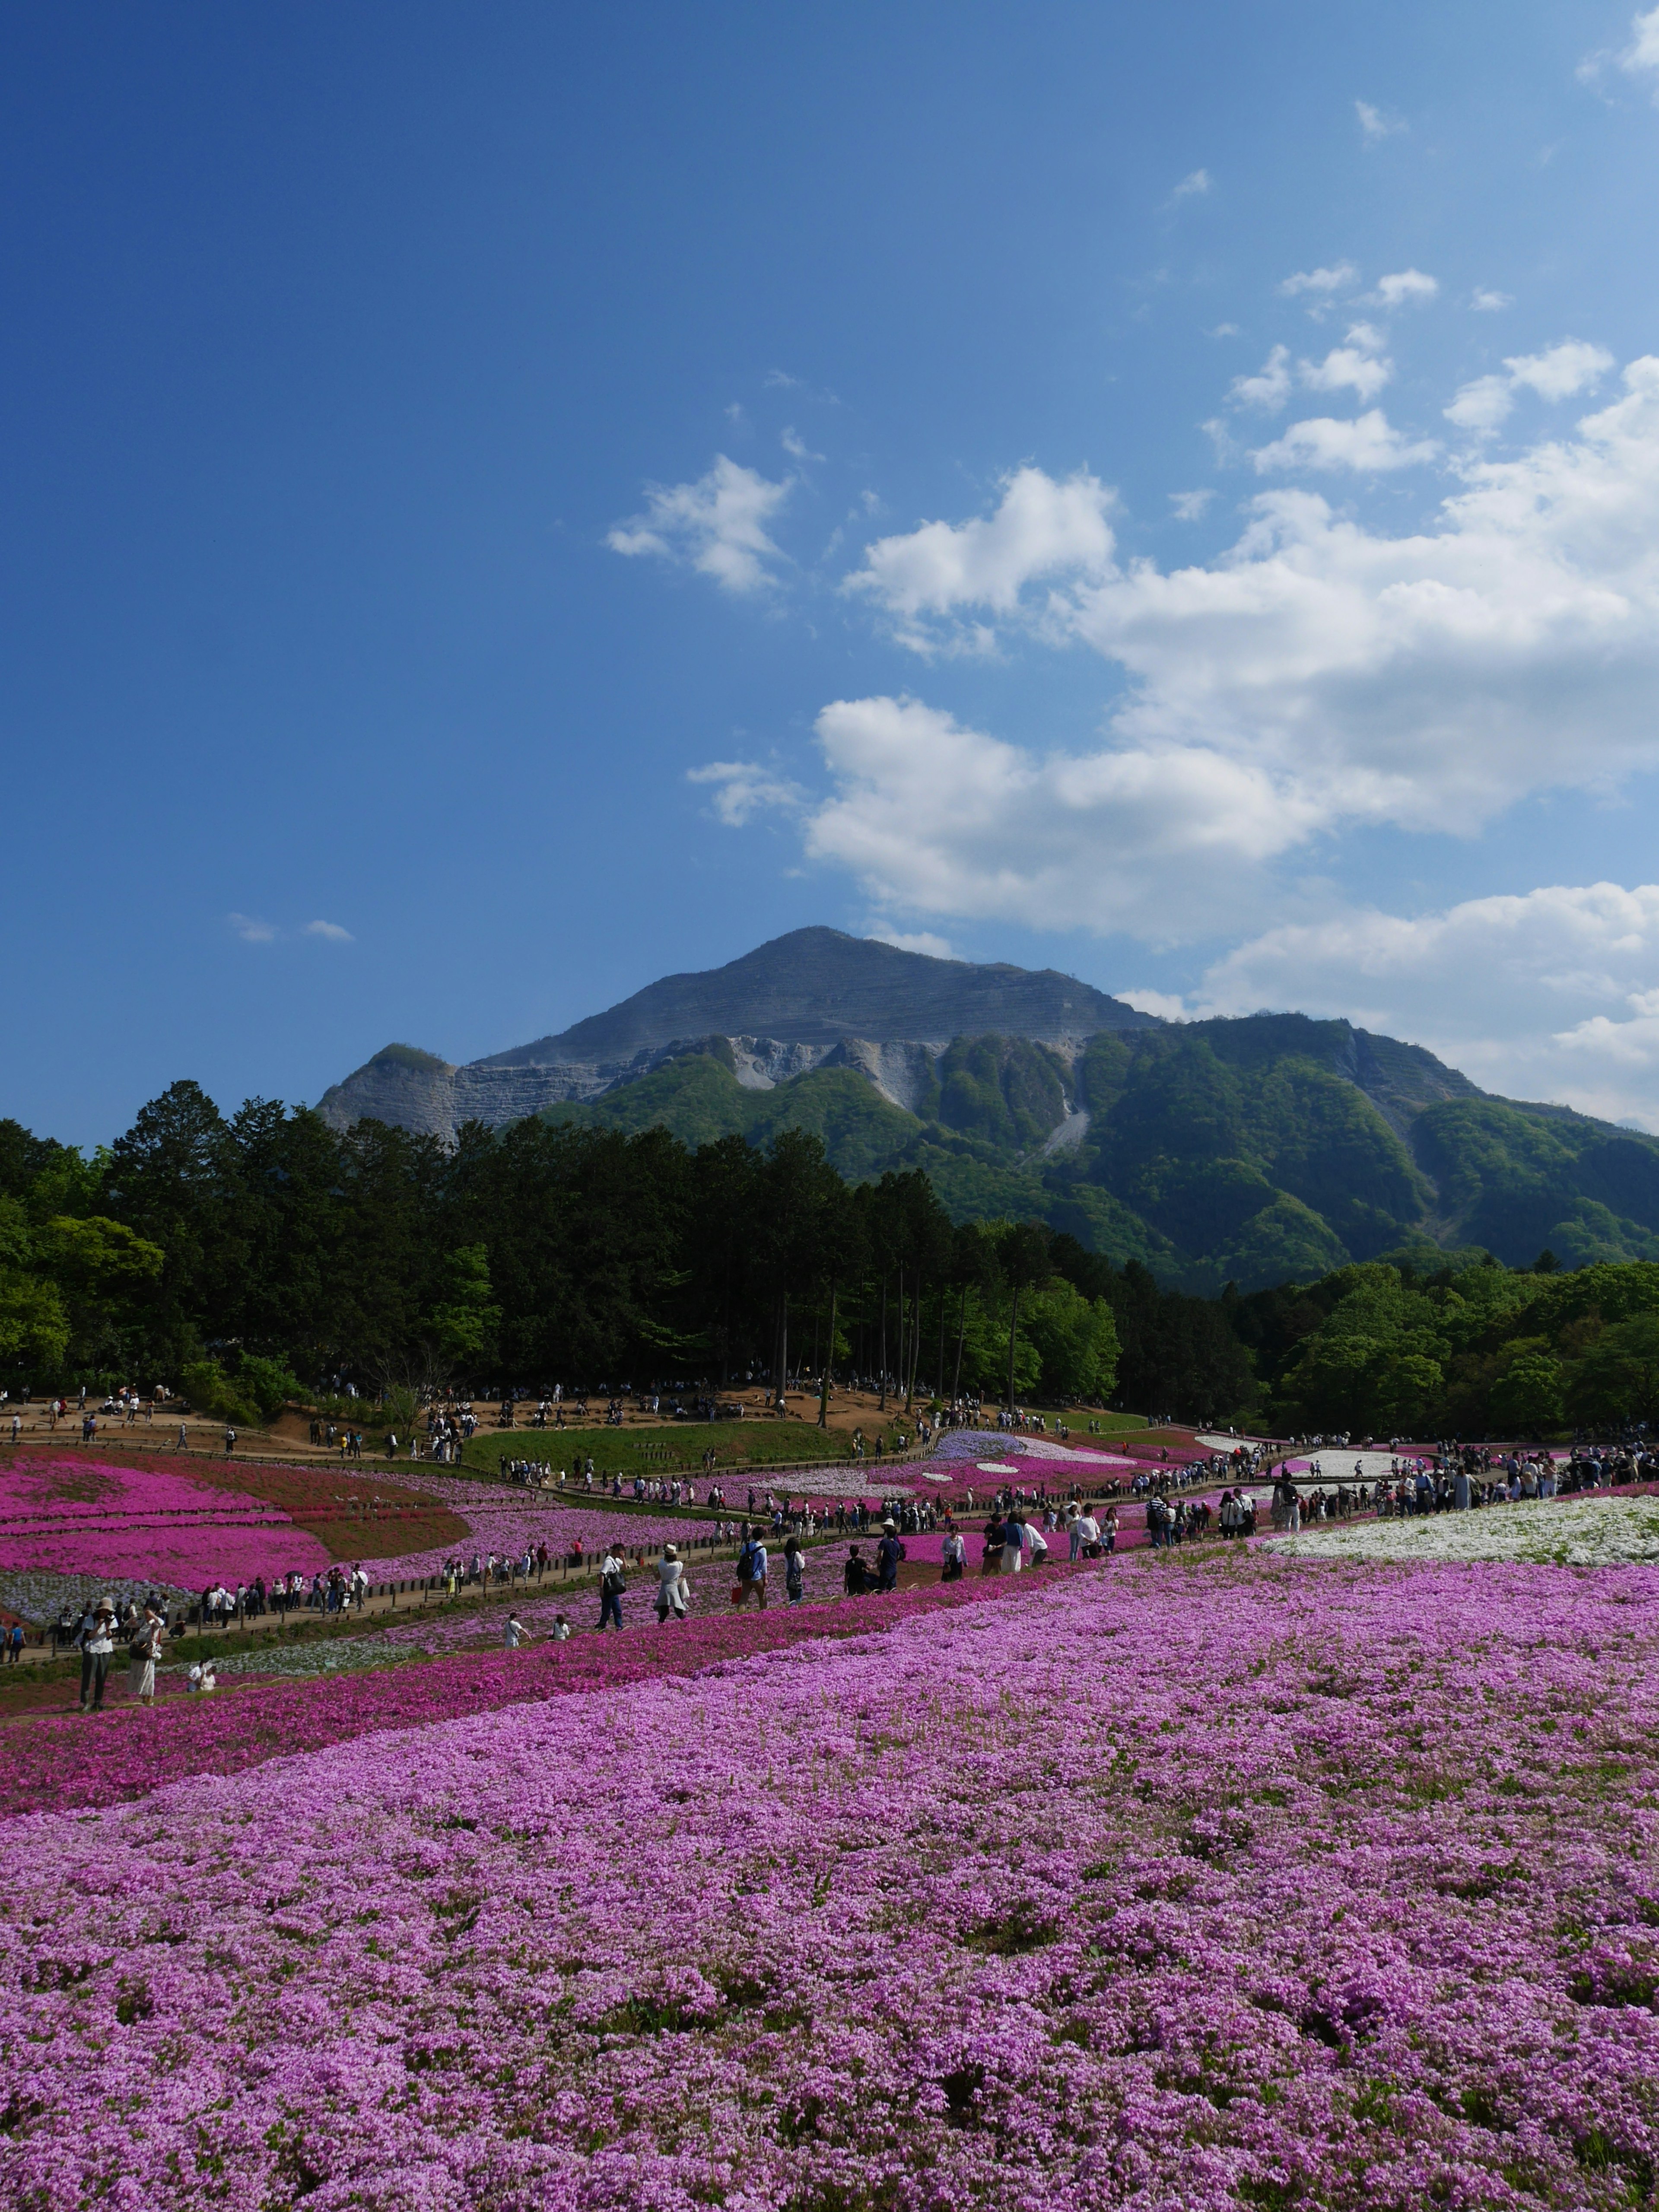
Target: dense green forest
column 248, row 1257
column 252, row 1253
column 1254, row 1151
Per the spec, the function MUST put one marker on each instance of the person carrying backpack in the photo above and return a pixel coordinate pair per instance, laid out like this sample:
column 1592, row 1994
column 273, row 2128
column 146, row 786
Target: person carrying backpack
column 613, row 1583
column 751, row 1570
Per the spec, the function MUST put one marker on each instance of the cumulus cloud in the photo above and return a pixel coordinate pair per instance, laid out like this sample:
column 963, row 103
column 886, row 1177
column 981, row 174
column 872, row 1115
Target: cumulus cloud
column 1374, row 125
column 1189, row 505
column 741, row 789
column 939, row 818
column 716, row 525
column 795, row 445
column 1560, row 372
column 1545, row 995
column 1356, row 365
column 1367, row 444
column 1406, row 288
column 252, row 929
column 331, row 930
column 1321, row 283
column 1317, row 675
column 1269, row 388
column 1485, row 302
column 1040, row 529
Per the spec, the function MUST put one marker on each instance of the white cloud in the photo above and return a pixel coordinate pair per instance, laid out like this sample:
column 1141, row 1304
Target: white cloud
column 1041, row 529
column 1192, row 187
column 1481, row 405
column 777, row 379
column 1270, row 387
column 331, row 930
column 1321, row 281
column 1559, row 373
column 1367, row 444
column 937, row 818
column 795, row 445
column 1168, row 1005
column 1375, row 124
column 252, row 929
column 1189, row 505
column 1547, row 995
column 1485, row 302
column 914, row 941
column 1317, row 675
column 1406, row 288
column 1358, row 365
column 716, row 525
column 1641, row 58
column 744, row 788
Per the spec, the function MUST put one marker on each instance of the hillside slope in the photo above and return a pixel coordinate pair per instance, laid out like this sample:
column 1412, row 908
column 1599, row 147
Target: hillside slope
column 1259, row 1151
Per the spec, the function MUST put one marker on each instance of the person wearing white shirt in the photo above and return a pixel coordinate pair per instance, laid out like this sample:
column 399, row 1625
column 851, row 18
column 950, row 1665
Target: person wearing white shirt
column 672, row 1588
column 613, row 1583
column 97, row 1642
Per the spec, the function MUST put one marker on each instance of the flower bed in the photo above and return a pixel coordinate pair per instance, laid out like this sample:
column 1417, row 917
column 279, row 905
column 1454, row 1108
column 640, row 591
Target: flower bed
column 1282, row 1916
column 52, row 1764
column 1575, row 1532
column 79, row 1517
column 504, row 1520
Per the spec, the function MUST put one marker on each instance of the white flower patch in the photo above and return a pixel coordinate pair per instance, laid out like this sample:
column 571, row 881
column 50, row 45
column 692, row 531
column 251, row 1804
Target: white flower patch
column 1562, row 1531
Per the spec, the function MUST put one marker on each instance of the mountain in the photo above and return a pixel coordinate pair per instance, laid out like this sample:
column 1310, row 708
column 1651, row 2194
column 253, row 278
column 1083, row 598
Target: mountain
column 814, row 998
column 1259, row 1151
column 817, row 987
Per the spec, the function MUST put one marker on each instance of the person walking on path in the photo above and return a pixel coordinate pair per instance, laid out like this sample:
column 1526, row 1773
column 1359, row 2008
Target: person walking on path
column 751, row 1570
column 672, row 1588
column 794, row 1571
column 613, row 1583
column 97, row 1642
column 146, row 1651
column 14, row 1644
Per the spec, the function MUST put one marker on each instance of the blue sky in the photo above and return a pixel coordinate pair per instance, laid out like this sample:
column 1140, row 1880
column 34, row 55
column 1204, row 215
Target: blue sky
column 502, row 504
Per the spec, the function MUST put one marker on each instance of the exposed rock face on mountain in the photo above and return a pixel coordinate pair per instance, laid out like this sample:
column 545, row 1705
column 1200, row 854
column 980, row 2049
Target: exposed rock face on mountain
column 814, row 998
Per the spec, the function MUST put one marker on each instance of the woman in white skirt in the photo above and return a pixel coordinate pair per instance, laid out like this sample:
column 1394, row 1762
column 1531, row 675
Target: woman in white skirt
column 146, row 1650
column 672, row 1588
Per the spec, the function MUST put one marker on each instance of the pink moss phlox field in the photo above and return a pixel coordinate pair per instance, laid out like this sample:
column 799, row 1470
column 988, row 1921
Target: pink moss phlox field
column 61, row 1762
column 1206, row 1884
column 505, row 1520
column 93, row 1517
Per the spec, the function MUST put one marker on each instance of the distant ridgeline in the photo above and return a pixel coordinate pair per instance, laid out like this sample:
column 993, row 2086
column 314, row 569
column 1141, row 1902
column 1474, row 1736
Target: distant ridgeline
column 1255, row 1150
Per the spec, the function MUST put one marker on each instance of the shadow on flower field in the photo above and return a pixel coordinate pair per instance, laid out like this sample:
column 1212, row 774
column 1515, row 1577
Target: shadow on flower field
column 1208, row 1880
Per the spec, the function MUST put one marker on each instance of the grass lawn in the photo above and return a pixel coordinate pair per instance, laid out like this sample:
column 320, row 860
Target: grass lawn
column 666, row 1450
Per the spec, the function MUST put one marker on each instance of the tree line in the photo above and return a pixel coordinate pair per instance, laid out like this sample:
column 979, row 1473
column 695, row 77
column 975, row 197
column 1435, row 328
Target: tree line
column 250, row 1256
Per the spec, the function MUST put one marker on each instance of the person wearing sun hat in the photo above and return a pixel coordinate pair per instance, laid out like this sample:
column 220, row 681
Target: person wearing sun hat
column 97, row 1642
column 672, row 1588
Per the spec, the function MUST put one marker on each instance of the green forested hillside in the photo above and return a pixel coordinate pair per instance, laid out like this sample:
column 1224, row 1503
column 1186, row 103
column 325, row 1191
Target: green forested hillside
column 1471, row 1350
column 1257, row 1151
